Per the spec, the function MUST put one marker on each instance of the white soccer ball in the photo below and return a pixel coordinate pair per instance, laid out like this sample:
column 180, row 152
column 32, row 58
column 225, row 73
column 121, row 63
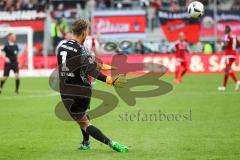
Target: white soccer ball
column 195, row 9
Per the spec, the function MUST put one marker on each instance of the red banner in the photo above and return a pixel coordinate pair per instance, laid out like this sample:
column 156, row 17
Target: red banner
column 37, row 25
column 207, row 29
column 224, row 18
column 197, row 63
column 172, row 23
column 119, row 23
column 172, row 29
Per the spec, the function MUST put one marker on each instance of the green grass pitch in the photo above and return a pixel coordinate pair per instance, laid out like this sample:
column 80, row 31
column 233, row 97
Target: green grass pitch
column 31, row 131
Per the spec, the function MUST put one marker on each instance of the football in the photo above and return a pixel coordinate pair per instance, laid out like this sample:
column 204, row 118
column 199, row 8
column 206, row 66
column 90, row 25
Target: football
column 195, row 9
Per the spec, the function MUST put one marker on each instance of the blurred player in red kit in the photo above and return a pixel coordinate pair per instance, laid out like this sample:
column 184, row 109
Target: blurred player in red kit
column 230, row 44
column 181, row 47
column 90, row 44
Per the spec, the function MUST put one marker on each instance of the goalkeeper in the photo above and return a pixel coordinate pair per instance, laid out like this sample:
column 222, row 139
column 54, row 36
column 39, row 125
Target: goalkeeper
column 79, row 77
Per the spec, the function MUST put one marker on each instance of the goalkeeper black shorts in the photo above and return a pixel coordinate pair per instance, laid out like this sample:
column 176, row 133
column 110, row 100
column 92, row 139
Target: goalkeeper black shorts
column 76, row 105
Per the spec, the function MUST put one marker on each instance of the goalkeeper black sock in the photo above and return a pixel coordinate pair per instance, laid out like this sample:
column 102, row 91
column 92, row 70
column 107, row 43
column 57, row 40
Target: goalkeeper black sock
column 2, row 83
column 85, row 136
column 98, row 135
column 17, row 85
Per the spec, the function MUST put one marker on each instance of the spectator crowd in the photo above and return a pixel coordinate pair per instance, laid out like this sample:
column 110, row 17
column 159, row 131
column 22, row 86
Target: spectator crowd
column 173, row 5
column 17, row 5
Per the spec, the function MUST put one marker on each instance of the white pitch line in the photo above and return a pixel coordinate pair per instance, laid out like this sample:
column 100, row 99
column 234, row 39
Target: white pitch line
column 36, row 91
column 45, row 93
column 20, row 97
column 211, row 93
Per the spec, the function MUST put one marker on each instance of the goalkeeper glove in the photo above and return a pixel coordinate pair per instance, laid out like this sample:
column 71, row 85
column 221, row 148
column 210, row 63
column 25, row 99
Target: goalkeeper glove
column 117, row 80
column 105, row 67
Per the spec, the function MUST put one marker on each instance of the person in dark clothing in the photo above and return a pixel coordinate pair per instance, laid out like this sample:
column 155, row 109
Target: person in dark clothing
column 10, row 55
column 76, row 65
